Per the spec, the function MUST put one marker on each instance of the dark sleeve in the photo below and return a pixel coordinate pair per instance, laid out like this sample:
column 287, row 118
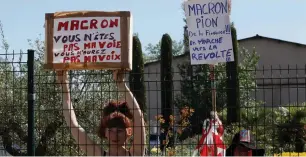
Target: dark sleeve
column 228, row 152
column 258, row 152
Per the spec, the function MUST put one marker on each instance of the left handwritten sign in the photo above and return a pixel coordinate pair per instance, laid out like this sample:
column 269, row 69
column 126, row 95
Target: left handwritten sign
column 88, row 40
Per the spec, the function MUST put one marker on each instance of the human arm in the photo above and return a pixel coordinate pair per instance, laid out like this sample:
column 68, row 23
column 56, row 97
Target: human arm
column 218, row 122
column 78, row 133
column 138, row 146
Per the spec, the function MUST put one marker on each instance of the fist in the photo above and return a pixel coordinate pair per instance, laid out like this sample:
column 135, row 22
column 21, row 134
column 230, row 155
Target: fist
column 213, row 114
column 61, row 77
column 118, row 77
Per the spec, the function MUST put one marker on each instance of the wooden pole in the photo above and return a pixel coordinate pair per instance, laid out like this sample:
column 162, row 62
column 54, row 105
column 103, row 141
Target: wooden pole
column 213, row 99
column 213, row 87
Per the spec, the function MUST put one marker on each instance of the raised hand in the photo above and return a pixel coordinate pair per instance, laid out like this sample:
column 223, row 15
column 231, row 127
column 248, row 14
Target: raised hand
column 61, row 77
column 118, row 76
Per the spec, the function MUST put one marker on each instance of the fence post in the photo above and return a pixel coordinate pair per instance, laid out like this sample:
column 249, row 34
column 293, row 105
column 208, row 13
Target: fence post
column 31, row 98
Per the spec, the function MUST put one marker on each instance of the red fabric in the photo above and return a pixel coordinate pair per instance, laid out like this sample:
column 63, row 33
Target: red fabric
column 204, row 134
column 242, row 151
column 211, row 143
column 250, row 153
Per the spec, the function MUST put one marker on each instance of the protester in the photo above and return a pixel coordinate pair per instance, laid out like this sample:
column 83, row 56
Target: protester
column 211, row 142
column 243, row 144
column 116, row 126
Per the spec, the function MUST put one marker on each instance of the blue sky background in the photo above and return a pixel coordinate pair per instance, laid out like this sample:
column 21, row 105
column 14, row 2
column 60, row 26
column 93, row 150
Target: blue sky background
column 283, row 19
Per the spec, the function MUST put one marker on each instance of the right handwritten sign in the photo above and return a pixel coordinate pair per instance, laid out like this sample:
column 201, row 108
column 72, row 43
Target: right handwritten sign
column 209, row 31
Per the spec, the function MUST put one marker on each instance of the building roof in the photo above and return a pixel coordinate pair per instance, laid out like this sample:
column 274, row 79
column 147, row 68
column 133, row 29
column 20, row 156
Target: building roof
column 274, row 39
column 241, row 40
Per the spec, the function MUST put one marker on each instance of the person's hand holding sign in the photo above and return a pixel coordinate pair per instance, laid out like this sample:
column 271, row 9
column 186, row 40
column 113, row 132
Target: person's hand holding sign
column 61, row 77
column 117, row 136
column 118, row 76
column 138, row 119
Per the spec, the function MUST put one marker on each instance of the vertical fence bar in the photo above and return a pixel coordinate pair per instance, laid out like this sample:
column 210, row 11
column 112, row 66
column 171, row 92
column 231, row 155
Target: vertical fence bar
column 31, row 97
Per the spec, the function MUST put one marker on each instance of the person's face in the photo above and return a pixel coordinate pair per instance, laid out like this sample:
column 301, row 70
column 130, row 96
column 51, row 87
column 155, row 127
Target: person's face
column 117, row 136
column 242, row 151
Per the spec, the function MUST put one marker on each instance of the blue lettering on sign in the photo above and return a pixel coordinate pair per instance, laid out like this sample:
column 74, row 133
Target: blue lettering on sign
column 228, row 29
column 213, row 47
column 199, row 48
column 206, row 22
column 209, row 8
column 191, row 34
column 192, row 43
column 208, row 32
column 200, row 33
column 212, row 55
column 210, row 41
column 228, row 53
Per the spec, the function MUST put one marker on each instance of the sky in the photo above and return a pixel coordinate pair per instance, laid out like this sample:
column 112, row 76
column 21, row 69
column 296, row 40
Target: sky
column 282, row 19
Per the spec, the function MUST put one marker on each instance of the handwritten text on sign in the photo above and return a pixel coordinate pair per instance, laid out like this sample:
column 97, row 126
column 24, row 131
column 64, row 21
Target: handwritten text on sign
column 209, row 31
column 87, row 39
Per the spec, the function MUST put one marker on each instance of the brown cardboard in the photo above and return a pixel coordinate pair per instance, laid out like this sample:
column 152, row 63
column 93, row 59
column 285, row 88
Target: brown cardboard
column 125, row 35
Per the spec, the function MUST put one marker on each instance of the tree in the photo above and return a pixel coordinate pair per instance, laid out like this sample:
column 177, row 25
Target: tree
column 154, row 50
column 277, row 129
column 136, row 76
column 90, row 89
column 13, row 127
column 13, row 120
column 166, row 77
column 293, row 131
column 232, row 82
column 196, row 88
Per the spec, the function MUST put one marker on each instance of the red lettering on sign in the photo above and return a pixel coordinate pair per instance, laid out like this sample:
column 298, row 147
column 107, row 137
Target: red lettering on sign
column 72, row 59
column 93, row 24
column 89, row 45
column 71, row 47
column 63, row 25
column 66, row 59
column 74, row 25
column 83, row 26
column 87, row 59
column 103, row 45
column 87, row 24
column 112, row 44
column 102, row 58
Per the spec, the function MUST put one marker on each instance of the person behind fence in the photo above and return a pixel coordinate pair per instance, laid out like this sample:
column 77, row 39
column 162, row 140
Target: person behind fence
column 243, row 144
column 211, row 142
column 115, row 126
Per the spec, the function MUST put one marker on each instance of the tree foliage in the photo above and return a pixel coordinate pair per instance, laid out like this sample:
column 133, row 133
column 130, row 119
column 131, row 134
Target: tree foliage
column 136, row 76
column 154, row 50
column 291, row 134
column 277, row 129
column 232, row 82
column 196, row 88
column 166, row 78
column 90, row 89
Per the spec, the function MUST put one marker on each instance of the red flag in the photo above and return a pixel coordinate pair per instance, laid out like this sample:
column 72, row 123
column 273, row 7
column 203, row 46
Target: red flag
column 211, row 142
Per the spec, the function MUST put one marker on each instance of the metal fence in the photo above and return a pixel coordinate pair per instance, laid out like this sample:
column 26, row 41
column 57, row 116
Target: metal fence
column 272, row 106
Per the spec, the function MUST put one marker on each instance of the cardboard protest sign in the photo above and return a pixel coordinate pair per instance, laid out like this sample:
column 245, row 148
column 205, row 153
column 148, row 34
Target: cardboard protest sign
column 209, row 31
column 88, row 40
